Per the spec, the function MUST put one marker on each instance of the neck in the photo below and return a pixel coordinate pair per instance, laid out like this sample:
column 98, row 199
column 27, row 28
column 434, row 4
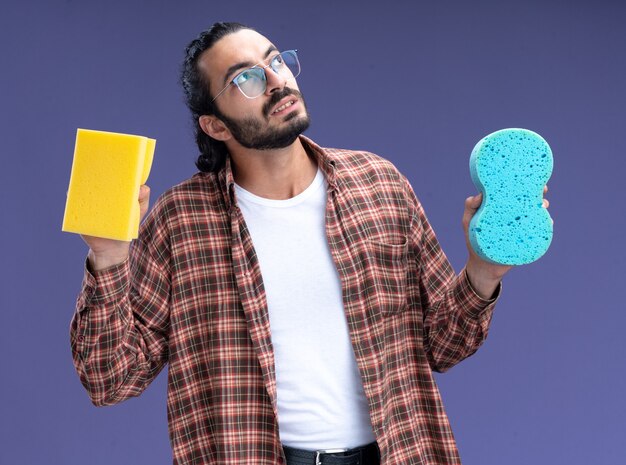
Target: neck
column 273, row 174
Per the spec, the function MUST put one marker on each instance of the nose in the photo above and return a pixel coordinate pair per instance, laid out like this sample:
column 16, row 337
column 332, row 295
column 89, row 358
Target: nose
column 274, row 81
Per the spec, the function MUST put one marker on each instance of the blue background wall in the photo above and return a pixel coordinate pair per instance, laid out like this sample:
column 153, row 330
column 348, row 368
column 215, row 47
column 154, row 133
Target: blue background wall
column 417, row 82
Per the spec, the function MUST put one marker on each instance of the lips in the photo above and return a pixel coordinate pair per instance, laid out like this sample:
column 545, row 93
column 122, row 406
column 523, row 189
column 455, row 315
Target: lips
column 283, row 104
column 286, row 105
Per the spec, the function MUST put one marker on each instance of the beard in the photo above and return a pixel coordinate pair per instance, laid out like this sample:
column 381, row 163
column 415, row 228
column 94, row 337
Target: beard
column 250, row 132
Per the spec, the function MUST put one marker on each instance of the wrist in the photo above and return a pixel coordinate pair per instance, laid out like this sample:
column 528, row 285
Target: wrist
column 101, row 261
column 484, row 280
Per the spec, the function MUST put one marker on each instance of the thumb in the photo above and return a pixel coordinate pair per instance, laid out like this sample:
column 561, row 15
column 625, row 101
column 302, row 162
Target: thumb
column 472, row 204
column 144, row 201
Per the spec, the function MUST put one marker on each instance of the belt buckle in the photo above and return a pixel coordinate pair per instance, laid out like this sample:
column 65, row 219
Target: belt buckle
column 318, row 454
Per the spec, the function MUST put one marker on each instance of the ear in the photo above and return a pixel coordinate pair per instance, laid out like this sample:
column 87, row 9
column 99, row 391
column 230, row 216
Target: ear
column 214, row 127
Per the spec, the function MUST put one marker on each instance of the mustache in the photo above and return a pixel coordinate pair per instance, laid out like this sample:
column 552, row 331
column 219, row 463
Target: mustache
column 277, row 97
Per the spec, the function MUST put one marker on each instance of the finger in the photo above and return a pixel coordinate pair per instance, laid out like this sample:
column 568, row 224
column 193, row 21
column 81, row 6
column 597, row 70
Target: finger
column 473, row 203
column 545, row 189
column 546, row 203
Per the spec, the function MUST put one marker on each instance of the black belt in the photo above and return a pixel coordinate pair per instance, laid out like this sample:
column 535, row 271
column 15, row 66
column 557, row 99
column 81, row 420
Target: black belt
column 365, row 455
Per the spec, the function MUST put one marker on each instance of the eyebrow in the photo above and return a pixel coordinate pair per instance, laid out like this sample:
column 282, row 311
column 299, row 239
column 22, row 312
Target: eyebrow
column 246, row 64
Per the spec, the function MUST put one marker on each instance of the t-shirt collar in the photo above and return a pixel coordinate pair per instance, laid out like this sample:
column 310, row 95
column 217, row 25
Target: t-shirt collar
column 324, row 162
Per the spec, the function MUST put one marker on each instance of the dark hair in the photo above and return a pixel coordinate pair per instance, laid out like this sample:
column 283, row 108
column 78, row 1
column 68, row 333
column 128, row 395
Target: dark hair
column 213, row 152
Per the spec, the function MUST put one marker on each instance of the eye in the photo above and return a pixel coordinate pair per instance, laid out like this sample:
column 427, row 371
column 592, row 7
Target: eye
column 243, row 77
column 278, row 60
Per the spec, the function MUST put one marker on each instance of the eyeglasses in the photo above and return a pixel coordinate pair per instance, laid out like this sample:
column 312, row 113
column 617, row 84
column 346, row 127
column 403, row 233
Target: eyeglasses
column 252, row 82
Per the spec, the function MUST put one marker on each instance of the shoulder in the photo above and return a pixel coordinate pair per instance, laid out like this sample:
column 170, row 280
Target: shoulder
column 200, row 189
column 374, row 197
column 194, row 200
column 360, row 167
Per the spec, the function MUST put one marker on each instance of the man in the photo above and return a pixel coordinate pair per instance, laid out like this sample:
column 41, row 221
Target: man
column 298, row 293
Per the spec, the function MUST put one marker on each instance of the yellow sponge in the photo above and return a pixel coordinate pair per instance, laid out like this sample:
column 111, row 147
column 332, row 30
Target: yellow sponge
column 107, row 171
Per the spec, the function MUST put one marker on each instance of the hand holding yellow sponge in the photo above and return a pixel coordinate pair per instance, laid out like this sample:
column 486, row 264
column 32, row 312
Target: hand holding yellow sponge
column 107, row 171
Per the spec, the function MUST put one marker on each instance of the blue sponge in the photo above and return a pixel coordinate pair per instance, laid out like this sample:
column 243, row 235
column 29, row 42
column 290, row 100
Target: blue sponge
column 510, row 167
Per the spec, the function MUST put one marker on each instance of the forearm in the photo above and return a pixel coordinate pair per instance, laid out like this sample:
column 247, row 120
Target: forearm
column 99, row 331
column 111, row 363
column 109, row 346
column 456, row 324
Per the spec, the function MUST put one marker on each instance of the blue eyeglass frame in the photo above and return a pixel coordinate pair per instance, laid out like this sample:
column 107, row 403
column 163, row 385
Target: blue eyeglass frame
column 234, row 80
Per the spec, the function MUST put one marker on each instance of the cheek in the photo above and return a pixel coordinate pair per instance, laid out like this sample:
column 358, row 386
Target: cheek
column 250, row 109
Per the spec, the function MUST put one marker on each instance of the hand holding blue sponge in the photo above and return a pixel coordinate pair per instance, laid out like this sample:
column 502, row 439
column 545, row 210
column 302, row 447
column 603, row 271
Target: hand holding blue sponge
column 511, row 167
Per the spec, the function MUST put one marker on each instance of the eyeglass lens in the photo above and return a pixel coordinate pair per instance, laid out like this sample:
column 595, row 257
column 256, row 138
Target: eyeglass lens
column 252, row 82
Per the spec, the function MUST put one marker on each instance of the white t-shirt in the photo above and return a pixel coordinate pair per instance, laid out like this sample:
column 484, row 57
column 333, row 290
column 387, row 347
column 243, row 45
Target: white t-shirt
column 321, row 402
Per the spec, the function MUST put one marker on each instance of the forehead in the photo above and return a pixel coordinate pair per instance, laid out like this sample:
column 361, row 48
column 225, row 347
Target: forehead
column 242, row 46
